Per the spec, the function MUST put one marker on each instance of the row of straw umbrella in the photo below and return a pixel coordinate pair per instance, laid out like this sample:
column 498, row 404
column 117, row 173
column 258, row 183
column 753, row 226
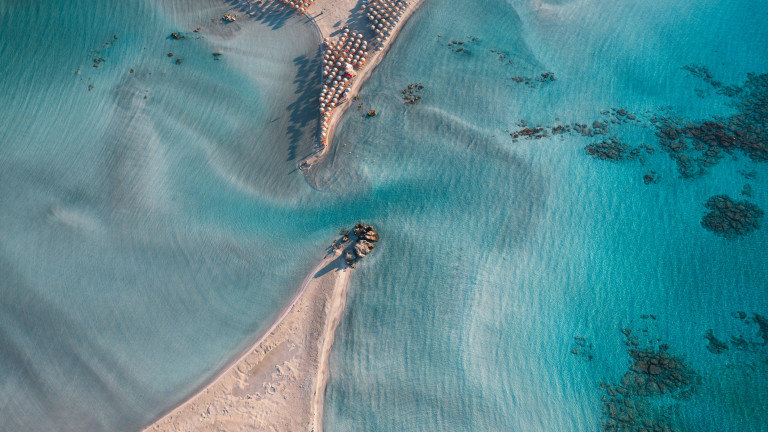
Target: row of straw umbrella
column 340, row 59
column 383, row 16
column 298, row 6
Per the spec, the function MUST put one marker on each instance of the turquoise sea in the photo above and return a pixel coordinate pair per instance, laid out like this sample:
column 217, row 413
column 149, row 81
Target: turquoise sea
column 153, row 223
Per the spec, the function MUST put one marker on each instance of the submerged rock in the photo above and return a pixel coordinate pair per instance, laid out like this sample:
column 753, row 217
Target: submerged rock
column 611, row 149
column 640, row 400
column 728, row 218
column 370, row 236
column 714, row 345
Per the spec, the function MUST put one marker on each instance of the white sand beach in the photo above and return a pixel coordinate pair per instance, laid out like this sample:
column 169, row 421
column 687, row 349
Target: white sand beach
column 279, row 383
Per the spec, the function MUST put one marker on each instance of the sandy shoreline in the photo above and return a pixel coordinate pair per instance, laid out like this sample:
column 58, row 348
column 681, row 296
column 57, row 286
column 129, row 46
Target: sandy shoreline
column 331, row 14
column 278, row 383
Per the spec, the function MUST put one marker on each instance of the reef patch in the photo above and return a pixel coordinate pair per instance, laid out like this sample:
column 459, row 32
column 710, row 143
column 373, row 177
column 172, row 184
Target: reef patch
column 730, row 219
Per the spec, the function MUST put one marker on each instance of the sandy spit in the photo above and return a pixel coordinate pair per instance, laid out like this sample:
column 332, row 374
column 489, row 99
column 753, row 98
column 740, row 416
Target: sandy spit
column 279, row 383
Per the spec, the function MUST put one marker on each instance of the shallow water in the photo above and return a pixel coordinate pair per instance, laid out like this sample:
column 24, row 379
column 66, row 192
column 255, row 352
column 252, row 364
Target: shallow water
column 505, row 250
column 144, row 242
column 151, row 225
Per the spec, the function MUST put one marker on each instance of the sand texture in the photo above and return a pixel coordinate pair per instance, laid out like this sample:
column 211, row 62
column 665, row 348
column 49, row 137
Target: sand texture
column 278, row 384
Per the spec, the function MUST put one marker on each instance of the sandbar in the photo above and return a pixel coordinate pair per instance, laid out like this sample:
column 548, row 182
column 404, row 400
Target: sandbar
column 279, row 383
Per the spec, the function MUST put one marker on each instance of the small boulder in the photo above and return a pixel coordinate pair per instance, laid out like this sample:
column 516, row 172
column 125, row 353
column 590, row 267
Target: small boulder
column 362, row 248
column 370, row 236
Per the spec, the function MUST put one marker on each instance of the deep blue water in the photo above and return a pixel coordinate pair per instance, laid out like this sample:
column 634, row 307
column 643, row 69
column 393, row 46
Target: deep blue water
column 144, row 242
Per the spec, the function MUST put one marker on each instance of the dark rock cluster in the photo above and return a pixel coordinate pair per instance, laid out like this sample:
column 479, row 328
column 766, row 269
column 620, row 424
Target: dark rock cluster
column 746, row 349
column 613, row 117
column 610, row 149
column 366, row 237
column 411, row 94
column 729, row 218
column 99, row 58
column 698, row 145
column 620, row 116
column 461, row 46
column 503, row 56
column 694, row 147
column 715, row 345
column 654, row 375
column 626, row 414
column 544, row 77
column 702, row 72
column 755, row 343
column 651, row 178
column 582, row 348
column 762, row 323
column 530, row 133
column 746, row 190
column 750, row 175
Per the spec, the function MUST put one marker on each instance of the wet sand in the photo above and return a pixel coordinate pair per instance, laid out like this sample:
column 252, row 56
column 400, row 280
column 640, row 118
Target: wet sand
column 279, row 383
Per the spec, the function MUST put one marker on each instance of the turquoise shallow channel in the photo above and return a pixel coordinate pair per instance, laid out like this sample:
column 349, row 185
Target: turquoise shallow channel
column 543, row 264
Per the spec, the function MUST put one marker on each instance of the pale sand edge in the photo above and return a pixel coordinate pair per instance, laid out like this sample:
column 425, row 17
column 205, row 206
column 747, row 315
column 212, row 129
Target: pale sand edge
column 338, row 304
column 360, row 79
column 340, row 290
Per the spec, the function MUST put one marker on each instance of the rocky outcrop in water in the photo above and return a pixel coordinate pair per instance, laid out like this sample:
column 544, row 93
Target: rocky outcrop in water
column 355, row 244
column 698, row 145
column 715, row 345
column 649, row 394
column 728, row 218
column 611, row 149
column 582, row 348
column 366, row 237
column 411, row 93
column 755, row 341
